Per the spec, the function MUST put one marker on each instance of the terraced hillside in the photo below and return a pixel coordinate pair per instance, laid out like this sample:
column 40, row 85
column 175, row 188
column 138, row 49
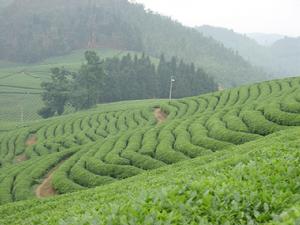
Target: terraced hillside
column 254, row 183
column 96, row 148
column 139, row 141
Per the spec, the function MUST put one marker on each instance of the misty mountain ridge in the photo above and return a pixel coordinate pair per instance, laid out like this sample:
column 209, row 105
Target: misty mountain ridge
column 282, row 58
column 32, row 30
column 265, row 39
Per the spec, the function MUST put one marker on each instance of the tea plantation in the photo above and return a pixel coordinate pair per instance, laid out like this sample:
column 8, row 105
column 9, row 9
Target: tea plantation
column 229, row 157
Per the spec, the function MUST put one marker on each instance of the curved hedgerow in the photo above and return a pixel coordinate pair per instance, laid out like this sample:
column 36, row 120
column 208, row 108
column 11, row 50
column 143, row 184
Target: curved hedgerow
column 123, row 140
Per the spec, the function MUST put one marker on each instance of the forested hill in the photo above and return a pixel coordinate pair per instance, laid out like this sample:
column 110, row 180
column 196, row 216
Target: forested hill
column 31, row 30
column 280, row 58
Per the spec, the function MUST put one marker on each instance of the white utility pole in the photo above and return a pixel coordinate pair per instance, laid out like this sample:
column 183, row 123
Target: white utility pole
column 171, row 87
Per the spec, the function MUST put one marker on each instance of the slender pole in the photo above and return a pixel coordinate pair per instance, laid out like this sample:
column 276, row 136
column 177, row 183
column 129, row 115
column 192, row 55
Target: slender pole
column 171, row 88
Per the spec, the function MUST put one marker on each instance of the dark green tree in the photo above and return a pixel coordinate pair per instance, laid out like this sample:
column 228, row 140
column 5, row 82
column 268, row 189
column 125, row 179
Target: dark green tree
column 56, row 93
column 88, row 82
column 125, row 78
column 164, row 73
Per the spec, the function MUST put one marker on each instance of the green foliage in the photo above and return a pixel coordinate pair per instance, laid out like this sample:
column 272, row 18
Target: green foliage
column 83, row 91
column 88, row 83
column 225, row 169
column 56, row 93
column 253, row 183
column 139, row 74
column 21, row 90
column 121, row 79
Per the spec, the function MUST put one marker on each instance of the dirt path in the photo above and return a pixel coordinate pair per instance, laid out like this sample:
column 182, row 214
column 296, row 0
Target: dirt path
column 45, row 189
column 160, row 115
column 32, row 140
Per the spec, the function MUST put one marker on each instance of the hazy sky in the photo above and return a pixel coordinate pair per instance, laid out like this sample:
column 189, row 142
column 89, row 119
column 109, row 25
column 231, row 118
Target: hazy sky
column 245, row 16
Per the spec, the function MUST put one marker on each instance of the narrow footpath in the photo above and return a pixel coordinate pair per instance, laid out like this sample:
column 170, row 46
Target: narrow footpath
column 45, row 189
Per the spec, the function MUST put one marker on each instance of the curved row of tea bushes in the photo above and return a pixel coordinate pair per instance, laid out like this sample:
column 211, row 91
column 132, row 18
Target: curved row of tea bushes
column 122, row 142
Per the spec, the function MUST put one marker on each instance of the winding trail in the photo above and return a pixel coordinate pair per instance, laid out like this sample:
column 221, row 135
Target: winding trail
column 32, row 140
column 160, row 115
column 45, row 189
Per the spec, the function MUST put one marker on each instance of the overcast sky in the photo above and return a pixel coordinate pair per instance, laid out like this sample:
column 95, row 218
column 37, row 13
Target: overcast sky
column 244, row 16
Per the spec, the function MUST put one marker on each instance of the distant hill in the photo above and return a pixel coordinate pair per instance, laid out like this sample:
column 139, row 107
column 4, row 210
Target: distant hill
column 247, row 47
column 32, row 30
column 265, row 39
column 281, row 58
column 287, row 55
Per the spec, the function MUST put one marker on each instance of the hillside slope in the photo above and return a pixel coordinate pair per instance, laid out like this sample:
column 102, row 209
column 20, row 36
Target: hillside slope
column 118, row 141
column 32, row 30
column 255, row 183
column 280, row 58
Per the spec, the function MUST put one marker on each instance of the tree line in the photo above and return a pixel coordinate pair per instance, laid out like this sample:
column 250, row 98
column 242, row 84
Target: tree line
column 130, row 77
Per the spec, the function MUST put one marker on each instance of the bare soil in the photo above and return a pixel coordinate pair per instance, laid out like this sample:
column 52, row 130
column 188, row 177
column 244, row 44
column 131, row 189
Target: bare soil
column 45, row 189
column 32, row 140
column 160, row 115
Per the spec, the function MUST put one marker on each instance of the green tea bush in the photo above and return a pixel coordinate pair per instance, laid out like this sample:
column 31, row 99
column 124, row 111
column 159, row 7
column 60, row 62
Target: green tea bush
column 273, row 113
column 224, row 98
column 114, row 155
column 115, row 171
column 61, row 181
column 257, row 123
column 218, row 130
column 234, row 122
column 203, row 103
column 121, row 140
column 183, row 142
column 234, row 96
column 165, row 149
column 149, row 142
column 85, row 178
column 6, row 188
column 199, row 137
column 212, row 102
column 191, row 105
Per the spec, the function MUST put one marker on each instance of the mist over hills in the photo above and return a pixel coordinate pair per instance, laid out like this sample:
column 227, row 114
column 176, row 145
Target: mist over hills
column 282, row 58
column 265, row 39
column 31, row 30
